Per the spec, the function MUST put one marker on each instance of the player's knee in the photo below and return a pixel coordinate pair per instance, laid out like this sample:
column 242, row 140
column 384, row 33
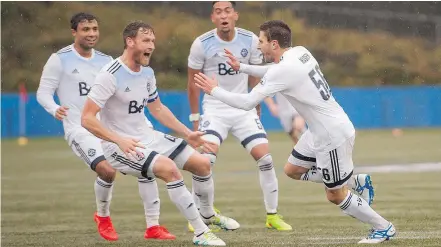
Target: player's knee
column 265, row 163
column 105, row 171
column 336, row 196
column 211, row 158
column 204, row 166
column 293, row 171
column 166, row 170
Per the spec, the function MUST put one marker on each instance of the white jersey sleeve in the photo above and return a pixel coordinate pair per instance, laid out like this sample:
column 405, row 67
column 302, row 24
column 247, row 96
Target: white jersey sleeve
column 153, row 91
column 274, row 80
column 254, row 70
column 103, row 89
column 49, row 82
column 196, row 59
column 256, row 56
column 270, row 84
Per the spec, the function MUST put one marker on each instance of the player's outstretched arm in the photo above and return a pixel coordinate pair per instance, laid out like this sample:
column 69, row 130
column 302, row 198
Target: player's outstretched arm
column 242, row 101
column 253, row 70
column 49, row 82
column 193, row 96
column 161, row 113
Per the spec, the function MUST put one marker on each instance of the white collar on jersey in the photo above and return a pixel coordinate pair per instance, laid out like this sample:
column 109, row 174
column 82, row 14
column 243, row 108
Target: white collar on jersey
column 81, row 57
column 223, row 41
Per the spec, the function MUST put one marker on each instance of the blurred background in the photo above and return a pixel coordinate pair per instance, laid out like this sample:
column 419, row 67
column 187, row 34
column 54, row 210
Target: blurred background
column 381, row 59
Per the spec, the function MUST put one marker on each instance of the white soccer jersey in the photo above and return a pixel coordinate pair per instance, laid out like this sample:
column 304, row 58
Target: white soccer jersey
column 122, row 95
column 71, row 76
column 207, row 54
column 299, row 79
column 284, row 106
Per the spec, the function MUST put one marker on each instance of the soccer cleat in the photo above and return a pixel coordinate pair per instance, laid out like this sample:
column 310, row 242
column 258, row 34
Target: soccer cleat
column 223, row 222
column 378, row 236
column 158, row 232
column 275, row 221
column 364, row 187
column 213, row 228
column 105, row 227
column 208, row 239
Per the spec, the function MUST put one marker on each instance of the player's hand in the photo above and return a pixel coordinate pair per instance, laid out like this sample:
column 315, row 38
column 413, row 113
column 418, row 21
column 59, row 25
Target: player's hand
column 205, row 83
column 195, row 125
column 233, row 62
column 129, row 147
column 61, row 112
column 195, row 140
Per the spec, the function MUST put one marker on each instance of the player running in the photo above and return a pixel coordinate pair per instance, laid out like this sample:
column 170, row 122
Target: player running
column 71, row 72
column 291, row 121
column 121, row 90
column 218, row 119
column 330, row 138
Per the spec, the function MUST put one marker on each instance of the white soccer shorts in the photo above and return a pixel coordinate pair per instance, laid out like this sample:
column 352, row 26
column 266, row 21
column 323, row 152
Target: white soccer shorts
column 88, row 147
column 246, row 127
column 142, row 167
column 336, row 165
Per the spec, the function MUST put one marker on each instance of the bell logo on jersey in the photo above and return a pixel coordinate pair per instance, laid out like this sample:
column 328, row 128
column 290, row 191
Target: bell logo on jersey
column 223, row 70
column 84, row 89
column 135, row 108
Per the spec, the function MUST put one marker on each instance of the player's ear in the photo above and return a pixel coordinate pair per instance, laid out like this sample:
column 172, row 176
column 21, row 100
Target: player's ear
column 74, row 32
column 129, row 41
column 236, row 15
column 212, row 17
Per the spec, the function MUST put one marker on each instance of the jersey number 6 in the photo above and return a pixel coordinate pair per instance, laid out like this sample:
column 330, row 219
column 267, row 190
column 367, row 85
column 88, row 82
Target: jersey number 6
column 320, row 82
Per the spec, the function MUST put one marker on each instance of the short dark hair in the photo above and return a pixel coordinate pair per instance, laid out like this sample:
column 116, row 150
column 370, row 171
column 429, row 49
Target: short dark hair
column 233, row 3
column 277, row 30
column 131, row 30
column 79, row 17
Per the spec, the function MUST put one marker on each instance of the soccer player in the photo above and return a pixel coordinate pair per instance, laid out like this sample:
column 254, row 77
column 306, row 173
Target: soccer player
column 291, row 121
column 218, row 119
column 71, row 72
column 330, row 138
column 121, row 90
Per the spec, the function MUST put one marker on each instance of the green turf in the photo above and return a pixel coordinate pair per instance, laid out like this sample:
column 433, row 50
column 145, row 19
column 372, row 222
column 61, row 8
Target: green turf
column 48, row 200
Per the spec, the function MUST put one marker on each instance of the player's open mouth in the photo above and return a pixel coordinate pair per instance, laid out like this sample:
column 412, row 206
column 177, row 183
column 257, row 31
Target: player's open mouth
column 224, row 23
column 146, row 54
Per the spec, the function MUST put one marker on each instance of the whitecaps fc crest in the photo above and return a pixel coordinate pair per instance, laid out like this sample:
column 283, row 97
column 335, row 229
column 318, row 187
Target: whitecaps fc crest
column 244, row 52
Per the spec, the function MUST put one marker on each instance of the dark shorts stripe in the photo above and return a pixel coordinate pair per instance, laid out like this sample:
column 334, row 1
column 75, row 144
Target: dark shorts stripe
column 251, row 138
column 302, row 157
column 212, row 132
column 147, row 163
column 96, row 162
column 178, row 150
column 80, row 150
column 340, row 182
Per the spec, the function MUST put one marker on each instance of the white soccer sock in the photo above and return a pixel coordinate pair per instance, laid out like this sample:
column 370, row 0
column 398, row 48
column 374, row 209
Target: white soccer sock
column 312, row 175
column 180, row 196
column 204, row 189
column 148, row 190
column 268, row 183
column 103, row 196
column 352, row 183
column 212, row 157
column 358, row 208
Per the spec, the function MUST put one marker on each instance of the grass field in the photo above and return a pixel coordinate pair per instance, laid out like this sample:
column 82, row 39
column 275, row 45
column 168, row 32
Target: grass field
column 48, row 200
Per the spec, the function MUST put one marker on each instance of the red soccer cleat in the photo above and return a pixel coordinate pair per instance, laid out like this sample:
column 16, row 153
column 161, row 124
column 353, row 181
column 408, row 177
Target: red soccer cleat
column 105, row 227
column 158, row 232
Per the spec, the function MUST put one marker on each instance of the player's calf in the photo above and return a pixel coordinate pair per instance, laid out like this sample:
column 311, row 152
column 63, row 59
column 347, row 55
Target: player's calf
column 336, row 196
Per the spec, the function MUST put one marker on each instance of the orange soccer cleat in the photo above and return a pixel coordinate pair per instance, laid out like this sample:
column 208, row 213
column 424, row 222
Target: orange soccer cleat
column 158, row 232
column 105, row 228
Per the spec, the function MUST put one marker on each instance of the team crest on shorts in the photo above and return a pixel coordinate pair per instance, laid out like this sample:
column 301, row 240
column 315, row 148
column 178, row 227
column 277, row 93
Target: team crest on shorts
column 244, row 52
column 206, row 123
column 91, row 152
